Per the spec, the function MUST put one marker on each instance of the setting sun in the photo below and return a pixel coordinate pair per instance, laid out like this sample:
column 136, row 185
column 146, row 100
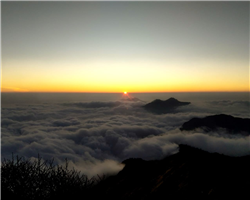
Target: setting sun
column 125, row 92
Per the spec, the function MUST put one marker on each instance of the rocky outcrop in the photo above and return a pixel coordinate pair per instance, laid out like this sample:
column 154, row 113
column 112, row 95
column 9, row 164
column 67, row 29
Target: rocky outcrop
column 232, row 124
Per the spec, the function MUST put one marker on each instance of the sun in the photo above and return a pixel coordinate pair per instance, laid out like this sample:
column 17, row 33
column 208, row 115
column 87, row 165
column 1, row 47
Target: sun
column 125, row 92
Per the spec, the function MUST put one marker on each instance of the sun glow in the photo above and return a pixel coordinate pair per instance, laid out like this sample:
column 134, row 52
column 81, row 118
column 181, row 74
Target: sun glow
column 126, row 96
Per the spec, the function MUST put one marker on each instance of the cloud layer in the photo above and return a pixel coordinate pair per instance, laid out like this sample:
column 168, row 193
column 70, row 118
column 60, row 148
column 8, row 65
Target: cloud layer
column 97, row 136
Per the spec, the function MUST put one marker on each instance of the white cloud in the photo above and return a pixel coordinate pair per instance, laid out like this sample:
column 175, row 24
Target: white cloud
column 97, row 136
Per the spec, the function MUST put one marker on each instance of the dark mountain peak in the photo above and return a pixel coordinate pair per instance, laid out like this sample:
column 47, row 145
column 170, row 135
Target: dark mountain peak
column 171, row 99
column 157, row 101
column 160, row 107
column 187, row 149
column 213, row 122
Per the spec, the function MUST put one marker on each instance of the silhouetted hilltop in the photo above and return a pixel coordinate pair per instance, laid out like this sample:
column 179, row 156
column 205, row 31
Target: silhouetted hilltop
column 190, row 173
column 159, row 107
column 210, row 123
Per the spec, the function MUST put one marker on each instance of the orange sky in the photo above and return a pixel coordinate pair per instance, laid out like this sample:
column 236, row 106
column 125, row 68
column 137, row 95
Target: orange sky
column 125, row 46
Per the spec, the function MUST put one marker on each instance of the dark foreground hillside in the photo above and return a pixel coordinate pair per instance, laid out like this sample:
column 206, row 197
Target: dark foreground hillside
column 42, row 180
column 190, row 173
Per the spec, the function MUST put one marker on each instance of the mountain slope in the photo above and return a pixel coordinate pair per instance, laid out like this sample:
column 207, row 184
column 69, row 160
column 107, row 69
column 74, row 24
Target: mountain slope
column 189, row 173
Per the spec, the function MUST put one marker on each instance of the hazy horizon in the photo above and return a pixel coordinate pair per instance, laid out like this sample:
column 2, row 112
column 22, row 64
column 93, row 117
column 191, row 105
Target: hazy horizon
column 28, row 97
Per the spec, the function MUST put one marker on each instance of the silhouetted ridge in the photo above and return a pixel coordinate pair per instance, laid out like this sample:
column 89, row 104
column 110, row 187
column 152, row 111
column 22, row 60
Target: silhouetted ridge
column 211, row 123
column 186, row 149
column 190, row 173
column 159, row 107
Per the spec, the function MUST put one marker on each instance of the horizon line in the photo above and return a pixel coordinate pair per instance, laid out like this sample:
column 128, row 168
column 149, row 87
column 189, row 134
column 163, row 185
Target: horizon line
column 136, row 92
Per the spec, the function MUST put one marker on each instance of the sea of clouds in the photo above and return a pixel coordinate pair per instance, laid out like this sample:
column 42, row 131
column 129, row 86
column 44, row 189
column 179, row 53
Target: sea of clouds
column 96, row 136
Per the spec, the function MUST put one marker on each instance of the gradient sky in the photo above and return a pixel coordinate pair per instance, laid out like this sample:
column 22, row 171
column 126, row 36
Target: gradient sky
column 125, row 46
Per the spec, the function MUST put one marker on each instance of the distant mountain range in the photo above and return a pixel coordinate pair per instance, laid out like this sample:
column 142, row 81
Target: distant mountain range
column 211, row 123
column 233, row 125
column 190, row 173
column 160, row 107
